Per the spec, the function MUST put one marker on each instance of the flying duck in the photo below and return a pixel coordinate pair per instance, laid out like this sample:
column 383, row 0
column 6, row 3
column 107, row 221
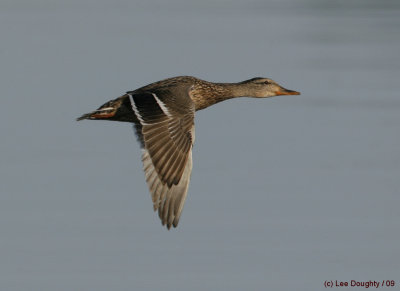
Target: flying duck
column 163, row 117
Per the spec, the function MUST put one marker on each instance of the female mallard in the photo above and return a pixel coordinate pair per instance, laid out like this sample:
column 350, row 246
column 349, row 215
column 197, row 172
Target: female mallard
column 163, row 116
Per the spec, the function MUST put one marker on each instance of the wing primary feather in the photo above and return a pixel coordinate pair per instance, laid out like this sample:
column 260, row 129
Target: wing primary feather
column 171, row 213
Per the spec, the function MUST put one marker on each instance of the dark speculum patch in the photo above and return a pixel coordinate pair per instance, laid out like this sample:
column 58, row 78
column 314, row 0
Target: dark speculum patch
column 148, row 107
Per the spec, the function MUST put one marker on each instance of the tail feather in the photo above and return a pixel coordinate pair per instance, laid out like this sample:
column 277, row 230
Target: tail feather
column 84, row 116
column 119, row 109
column 101, row 113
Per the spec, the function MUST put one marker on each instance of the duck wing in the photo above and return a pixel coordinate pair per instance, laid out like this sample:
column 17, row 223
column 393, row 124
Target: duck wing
column 166, row 133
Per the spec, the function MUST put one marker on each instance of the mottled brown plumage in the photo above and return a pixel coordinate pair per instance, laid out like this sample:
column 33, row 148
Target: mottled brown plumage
column 163, row 117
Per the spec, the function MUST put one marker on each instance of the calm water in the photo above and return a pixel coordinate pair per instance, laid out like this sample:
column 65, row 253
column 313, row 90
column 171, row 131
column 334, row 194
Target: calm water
column 286, row 192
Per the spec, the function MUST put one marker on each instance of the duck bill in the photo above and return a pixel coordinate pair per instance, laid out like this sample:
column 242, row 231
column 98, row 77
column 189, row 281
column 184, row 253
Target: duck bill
column 283, row 91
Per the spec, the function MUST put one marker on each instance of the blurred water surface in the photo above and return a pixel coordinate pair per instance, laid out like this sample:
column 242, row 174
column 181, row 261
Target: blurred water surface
column 286, row 192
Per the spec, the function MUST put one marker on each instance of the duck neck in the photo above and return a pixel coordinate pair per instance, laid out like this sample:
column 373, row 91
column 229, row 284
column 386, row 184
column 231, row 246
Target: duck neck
column 208, row 94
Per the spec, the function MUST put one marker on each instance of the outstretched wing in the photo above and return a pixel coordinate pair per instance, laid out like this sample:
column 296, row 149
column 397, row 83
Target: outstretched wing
column 167, row 134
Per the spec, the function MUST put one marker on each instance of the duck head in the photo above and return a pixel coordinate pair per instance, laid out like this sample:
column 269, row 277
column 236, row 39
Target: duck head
column 264, row 87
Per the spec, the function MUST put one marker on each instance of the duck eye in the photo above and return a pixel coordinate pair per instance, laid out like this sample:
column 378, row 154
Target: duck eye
column 267, row 82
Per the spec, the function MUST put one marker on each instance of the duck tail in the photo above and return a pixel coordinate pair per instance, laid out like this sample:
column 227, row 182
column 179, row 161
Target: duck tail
column 106, row 111
column 84, row 116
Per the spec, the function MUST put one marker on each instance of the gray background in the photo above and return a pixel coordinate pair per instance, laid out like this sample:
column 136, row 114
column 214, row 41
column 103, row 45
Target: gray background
column 286, row 192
